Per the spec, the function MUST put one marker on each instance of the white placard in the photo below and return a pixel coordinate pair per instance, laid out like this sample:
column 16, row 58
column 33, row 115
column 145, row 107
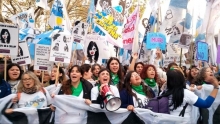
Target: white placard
column 96, row 47
column 61, row 48
column 23, row 56
column 41, row 60
column 80, row 31
column 8, row 39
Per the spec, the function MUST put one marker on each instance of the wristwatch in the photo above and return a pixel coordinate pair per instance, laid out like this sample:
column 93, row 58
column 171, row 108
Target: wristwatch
column 216, row 87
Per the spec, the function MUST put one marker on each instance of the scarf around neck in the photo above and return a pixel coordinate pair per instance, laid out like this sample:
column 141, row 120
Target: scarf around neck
column 138, row 89
column 76, row 91
column 115, row 78
column 29, row 90
column 150, row 82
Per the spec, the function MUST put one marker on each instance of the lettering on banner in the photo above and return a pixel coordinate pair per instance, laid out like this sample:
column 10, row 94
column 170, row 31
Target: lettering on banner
column 173, row 30
column 128, row 41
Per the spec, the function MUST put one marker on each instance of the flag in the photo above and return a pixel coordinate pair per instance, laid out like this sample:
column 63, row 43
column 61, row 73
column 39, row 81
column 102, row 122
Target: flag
column 24, row 19
column 129, row 29
column 59, row 18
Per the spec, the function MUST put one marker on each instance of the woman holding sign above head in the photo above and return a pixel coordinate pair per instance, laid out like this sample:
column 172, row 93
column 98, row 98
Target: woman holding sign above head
column 13, row 76
column 116, row 72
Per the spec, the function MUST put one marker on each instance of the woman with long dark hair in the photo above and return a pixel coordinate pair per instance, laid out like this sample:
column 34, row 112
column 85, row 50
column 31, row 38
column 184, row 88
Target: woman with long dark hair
column 116, row 72
column 180, row 96
column 135, row 94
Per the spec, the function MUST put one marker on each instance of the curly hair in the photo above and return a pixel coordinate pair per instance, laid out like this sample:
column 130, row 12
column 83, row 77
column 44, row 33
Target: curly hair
column 201, row 76
column 144, row 72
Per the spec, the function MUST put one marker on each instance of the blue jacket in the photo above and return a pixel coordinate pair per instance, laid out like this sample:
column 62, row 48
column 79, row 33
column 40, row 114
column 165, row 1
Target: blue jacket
column 5, row 89
column 126, row 99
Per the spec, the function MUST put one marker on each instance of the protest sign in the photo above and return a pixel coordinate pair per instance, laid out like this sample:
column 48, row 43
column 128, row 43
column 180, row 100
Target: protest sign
column 23, row 57
column 96, row 47
column 41, row 61
column 8, row 44
column 80, row 31
column 218, row 54
column 202, row 51
column 61, row 48
column 185, row 40
column 156, row 40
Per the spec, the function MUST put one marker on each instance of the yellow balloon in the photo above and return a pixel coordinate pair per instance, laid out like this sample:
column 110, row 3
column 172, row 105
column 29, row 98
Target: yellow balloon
column 59, row 21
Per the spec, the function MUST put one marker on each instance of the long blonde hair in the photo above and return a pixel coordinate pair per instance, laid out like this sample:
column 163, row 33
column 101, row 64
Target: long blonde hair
column 37, row 83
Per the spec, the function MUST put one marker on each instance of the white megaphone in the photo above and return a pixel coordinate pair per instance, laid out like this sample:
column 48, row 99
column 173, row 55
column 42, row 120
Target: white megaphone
column 112, row 103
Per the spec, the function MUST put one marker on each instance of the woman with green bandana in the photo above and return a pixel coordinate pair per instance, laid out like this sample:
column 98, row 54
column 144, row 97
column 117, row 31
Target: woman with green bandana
column 104, row 79
column 116, row 72
column 76, row 85
column 150, row 78
column 135, row 94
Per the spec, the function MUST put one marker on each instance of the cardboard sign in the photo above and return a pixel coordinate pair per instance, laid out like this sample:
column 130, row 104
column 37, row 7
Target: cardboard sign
column 185, row 40
column 41, row 61
column 8, row 39
column 80, row 31
column 96, row 47
column 61, row 48
column 156, row 40
column 23, row 57
column 202, row 51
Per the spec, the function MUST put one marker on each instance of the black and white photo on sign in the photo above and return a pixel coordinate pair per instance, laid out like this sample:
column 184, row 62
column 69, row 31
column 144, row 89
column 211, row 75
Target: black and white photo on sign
column 79, row 31
column 8, row 44
column 23, row 56
column 95, row 48
column 61, row 47
column 185, row 40
column 41, row 58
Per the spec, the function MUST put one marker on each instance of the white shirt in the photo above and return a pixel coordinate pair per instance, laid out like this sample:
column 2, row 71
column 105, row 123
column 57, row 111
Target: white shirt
column 36, row 100
column 190, row 98
column 95, row 92
column 141, row 100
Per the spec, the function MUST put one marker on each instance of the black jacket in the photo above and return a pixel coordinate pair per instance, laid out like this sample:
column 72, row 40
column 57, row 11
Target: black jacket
column 86, row 89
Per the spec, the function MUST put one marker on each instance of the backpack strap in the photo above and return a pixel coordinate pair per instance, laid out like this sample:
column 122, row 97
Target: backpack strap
column 19, row 95
column 42, row 90
column 183, row 110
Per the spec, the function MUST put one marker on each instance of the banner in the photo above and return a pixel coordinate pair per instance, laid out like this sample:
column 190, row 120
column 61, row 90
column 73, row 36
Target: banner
column 109, row 21
column 9, row 39
column 41, row 60
column 129, row 30
column 61, row 48
column 202, row 51
column 23, row 57
column 80, row 31
column 156, row 40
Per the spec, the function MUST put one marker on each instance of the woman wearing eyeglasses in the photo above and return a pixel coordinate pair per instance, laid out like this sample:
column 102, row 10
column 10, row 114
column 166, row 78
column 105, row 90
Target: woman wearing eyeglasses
column 30, row 93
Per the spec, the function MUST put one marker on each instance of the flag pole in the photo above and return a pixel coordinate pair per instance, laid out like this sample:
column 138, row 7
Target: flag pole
column 5, row 68
column 57, row 74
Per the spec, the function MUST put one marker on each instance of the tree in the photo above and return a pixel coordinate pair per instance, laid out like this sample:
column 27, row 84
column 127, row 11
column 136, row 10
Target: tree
column 76, row 9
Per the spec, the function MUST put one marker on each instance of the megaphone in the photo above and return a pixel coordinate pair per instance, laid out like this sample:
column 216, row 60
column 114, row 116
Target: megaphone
column 112, row 103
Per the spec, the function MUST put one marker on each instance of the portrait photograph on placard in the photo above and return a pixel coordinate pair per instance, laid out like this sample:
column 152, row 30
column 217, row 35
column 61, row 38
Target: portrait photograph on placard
column 61, row 48
column 95, row 48
column 41, row 61
column 79, row 31
column 185, row 40
column 8, row 39
column 23, row 56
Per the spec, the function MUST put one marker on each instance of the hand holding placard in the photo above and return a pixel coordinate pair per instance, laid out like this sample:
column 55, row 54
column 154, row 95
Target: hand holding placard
column 156, row 40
